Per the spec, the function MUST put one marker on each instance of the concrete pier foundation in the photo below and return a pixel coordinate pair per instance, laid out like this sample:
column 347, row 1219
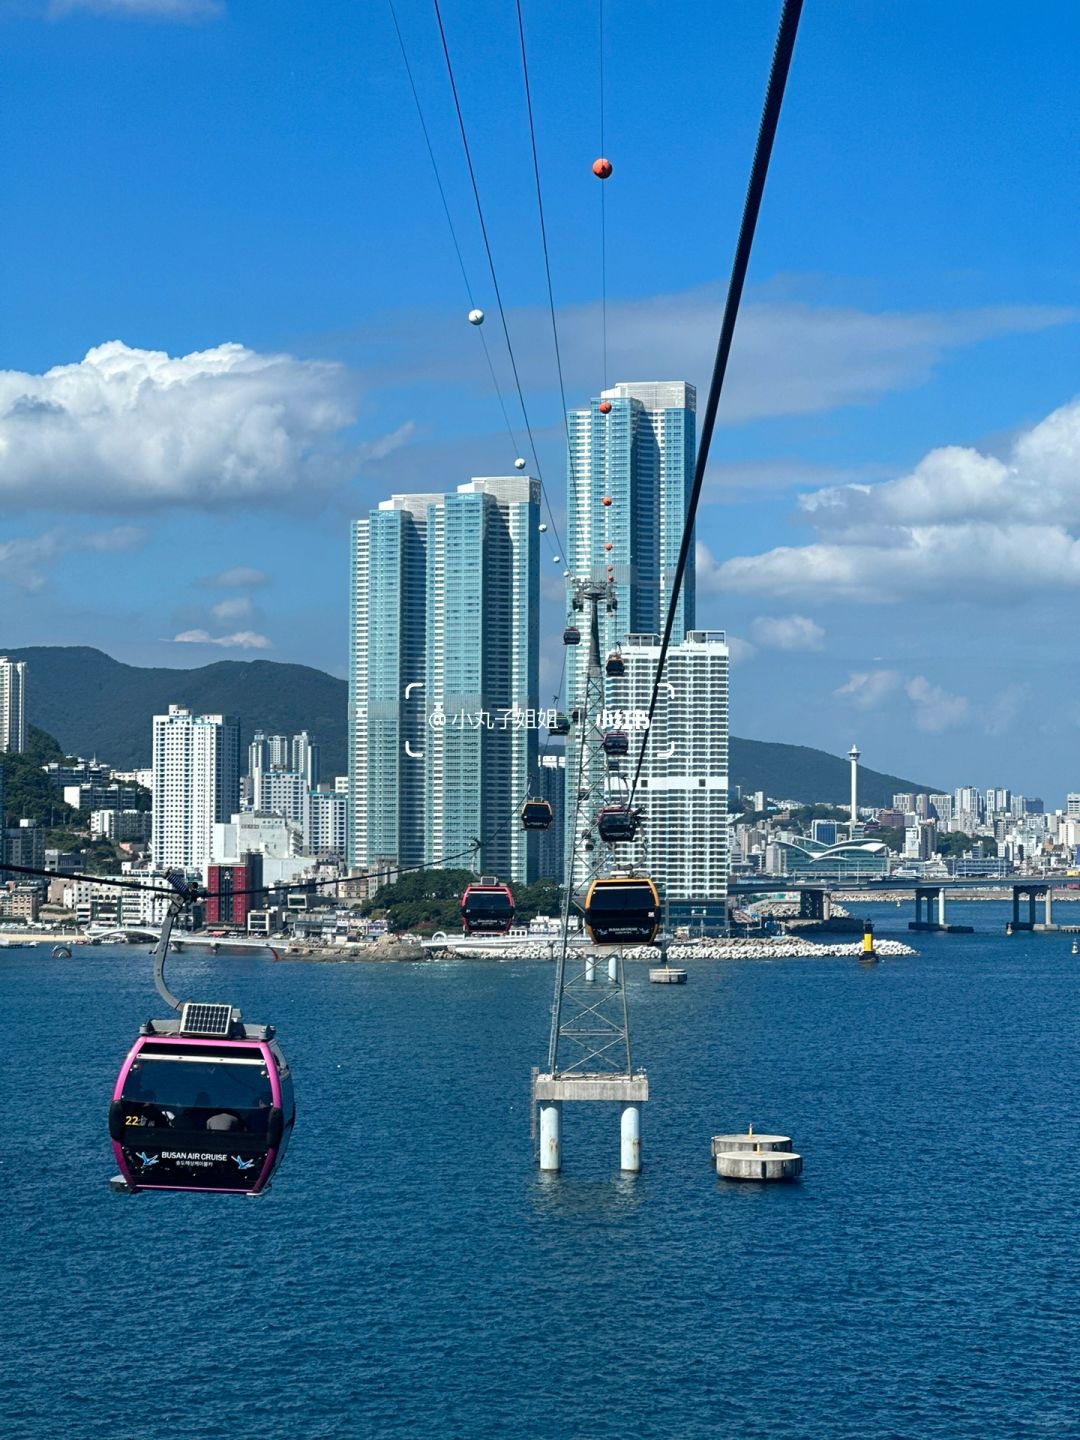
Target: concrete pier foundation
column 550, row 1142
column 630, row 1134
column 768, row 1165
column 755, row 1157
column 628, row 1091
column 590, row 967
column 613, row 968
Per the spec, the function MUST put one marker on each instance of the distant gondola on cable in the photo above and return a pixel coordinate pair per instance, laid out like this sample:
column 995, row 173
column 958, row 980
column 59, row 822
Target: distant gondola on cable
column 571, row 635
column 487, row 908
column 622, row 910
column 616, row 823
column 202, row 1103
column 615, row 664
column 616, row 742
column 560, row 724
column 536, row 814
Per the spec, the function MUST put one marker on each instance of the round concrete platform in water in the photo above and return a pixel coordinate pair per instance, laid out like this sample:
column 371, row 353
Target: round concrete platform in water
column 748, row 1143
column 768, row 1165
column 667, row 975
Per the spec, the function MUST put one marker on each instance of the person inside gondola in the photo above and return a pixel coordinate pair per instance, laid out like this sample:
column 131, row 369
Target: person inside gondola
column 224, row 1120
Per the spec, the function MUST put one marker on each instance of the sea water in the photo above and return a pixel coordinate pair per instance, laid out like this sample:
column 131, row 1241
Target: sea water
column 411, row 1273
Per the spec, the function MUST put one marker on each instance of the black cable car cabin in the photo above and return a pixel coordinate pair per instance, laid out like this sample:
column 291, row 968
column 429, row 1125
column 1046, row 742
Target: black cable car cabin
column 536, row 815
column 616, row 823
column 622, row 910
column 615, row 665
column 203, row 1114
column 560, row 725
column 616, row 742
column 571, row 635
column 487, row 909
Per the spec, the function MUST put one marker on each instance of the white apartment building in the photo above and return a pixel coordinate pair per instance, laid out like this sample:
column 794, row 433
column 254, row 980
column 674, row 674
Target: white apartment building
column 94, row 903
column 12, row 705
column 683, row 791
column 328, row 816
column 196, row 784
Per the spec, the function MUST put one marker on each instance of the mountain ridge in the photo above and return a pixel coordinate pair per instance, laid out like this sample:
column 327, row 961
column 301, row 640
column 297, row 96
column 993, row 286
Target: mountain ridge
column 94, row 704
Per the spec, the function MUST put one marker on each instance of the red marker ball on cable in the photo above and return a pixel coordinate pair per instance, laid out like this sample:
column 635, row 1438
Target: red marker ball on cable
column 601, row 168
column 604, row 407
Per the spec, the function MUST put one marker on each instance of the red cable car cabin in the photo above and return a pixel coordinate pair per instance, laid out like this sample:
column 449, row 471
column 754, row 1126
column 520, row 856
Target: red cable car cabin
column 487, row 908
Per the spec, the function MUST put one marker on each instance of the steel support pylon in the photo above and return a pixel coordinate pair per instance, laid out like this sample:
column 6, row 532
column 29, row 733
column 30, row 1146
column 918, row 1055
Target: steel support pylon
column 589, row 1053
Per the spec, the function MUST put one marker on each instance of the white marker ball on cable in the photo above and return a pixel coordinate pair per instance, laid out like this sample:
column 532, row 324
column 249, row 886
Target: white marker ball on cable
column 519, row 463
column 557, row 559
column 476, row 317
column 543, row 528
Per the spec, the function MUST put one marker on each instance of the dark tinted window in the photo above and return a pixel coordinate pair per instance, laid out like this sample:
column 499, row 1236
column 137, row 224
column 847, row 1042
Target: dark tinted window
column 211, row 1084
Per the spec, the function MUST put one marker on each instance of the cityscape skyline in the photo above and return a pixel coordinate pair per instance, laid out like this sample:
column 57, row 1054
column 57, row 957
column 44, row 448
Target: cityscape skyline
column 887, row 393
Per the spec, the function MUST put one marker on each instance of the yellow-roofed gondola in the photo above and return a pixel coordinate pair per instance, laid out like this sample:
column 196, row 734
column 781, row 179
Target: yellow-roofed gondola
column 622, row 910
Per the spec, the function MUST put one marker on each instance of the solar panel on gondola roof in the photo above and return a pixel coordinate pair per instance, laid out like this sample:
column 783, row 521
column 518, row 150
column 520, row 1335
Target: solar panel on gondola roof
column 200, row 1018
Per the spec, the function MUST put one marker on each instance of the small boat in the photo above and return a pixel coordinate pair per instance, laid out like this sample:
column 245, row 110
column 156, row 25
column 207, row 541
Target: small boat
column 15, row 944
column 1076, row 948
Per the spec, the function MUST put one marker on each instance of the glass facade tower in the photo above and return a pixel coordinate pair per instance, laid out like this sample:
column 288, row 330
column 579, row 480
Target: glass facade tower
column 640, row 455
column 443, row 674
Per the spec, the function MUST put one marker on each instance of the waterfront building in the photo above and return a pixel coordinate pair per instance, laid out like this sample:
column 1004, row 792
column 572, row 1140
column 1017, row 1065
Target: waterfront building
column 903, row 802
column 639, row 454
column 444, row 677
column 12, row 705
column 120, row 825
column 228, row 901
column 328, row 815
column 550, row 851
column 304, row 754
column 22, row 844
column 941, row 807
column 101, row 795
column 196, row 784
column 683, row 790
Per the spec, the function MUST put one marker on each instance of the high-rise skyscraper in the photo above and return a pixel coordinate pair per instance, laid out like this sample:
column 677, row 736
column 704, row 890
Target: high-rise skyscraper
column 639, row 455
column 444, row 662
column 630, row 469
column 683, row 790
column 196, row 784
column 12, row 705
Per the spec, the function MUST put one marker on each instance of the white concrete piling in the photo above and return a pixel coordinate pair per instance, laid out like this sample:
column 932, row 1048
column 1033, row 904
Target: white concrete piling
column 590, row 967
column 550, row 1144
column 630, row 1132
column 768, row 1165
column 613, row 968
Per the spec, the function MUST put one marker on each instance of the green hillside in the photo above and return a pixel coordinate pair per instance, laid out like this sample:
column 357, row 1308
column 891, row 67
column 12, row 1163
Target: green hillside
column 797, row 772
column 95, row 705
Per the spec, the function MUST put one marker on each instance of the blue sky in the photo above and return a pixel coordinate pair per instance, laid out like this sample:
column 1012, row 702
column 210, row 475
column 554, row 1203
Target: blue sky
column 240, row 190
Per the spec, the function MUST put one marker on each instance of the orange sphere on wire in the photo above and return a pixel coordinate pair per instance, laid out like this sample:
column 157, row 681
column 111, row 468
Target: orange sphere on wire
column 604, row 407
column 608, row 545
column 601, row 168
column 606, row 500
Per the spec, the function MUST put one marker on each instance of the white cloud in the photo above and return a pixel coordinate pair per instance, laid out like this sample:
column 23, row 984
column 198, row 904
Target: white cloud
column 1004, row 709
column 238, row 608
column 790, row 357
column 139, row 429
column 740, row 650
column 140, row 9
column 1009, row 527
column 241, row 640
column 23, row 560
column 787, row 632
column 240, row 577
column 935, row 709
column 866, row 689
